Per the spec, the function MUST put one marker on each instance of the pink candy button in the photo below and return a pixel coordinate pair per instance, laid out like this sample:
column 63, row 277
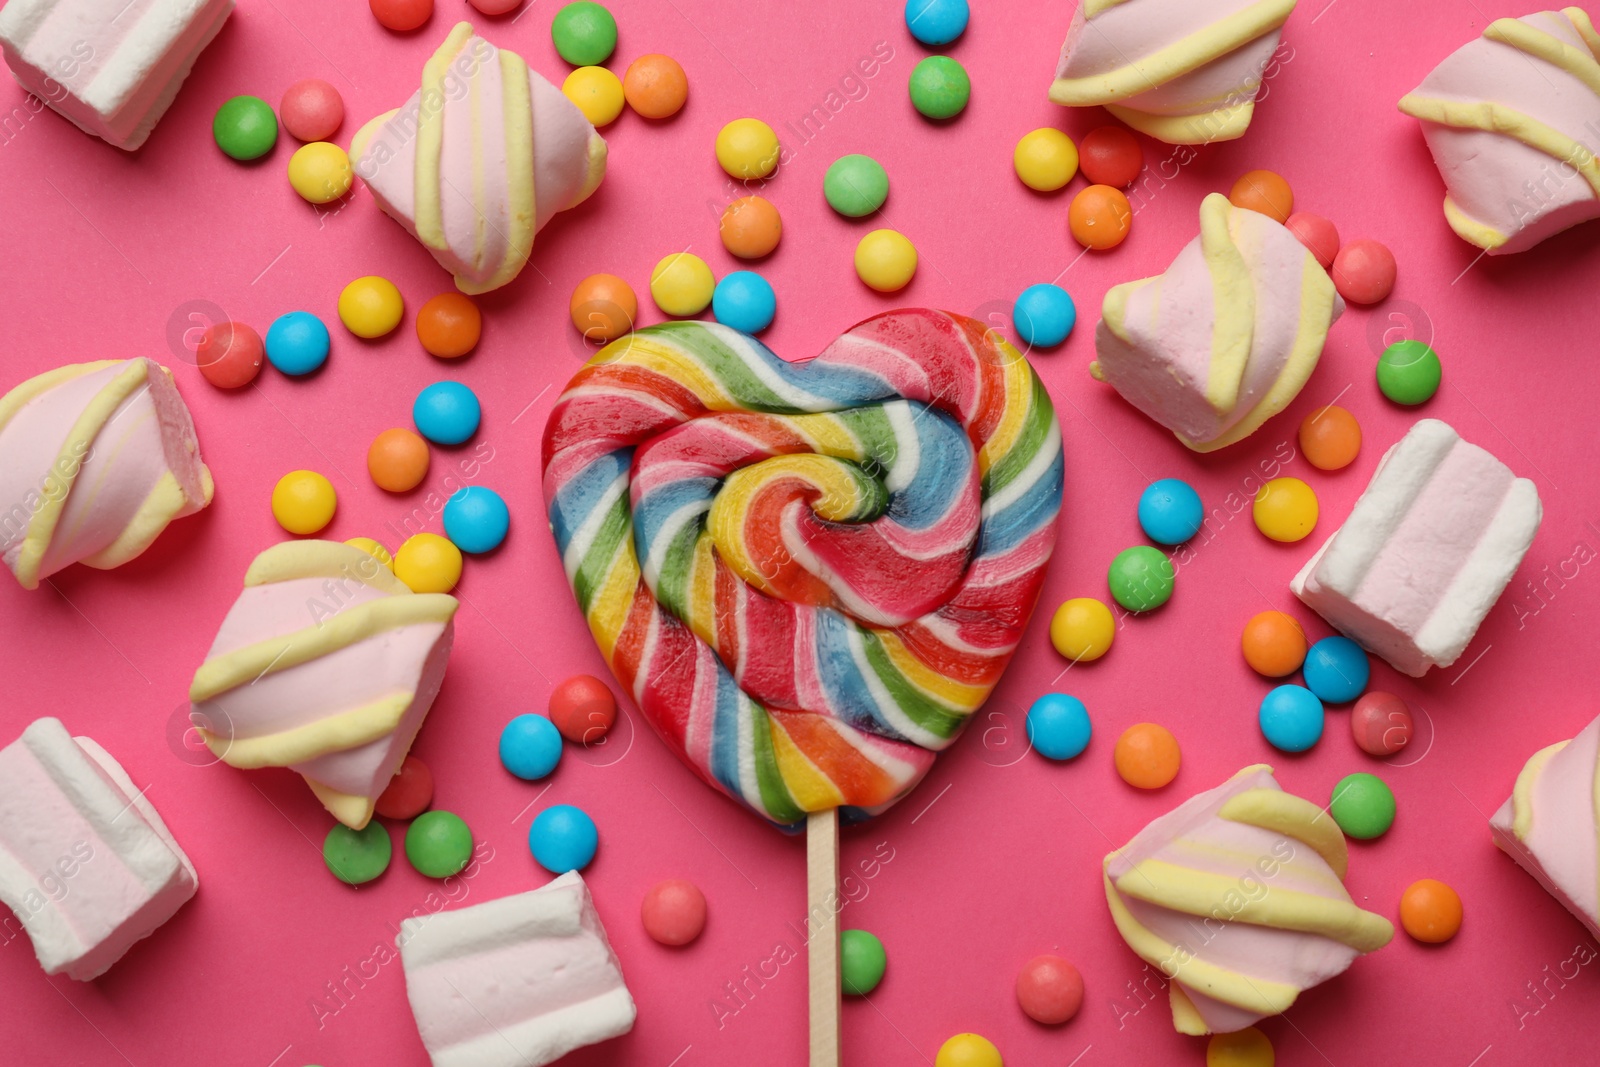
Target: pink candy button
column 674, row 912
column 1050, row 990
column 1364, row 272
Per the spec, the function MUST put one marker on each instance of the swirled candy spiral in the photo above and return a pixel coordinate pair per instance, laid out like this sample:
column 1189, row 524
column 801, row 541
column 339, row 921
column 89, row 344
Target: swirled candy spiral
column 1182, row 71
column 95, row 460
column 1513, row 121
column 808, row 575
column 479, row 159
column 326, row 664
column 1227, row 336
column 1237, row 896
column 1551, row 823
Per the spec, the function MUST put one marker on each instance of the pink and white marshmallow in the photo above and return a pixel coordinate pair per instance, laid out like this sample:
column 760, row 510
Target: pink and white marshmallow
column 111, row 67
column 515, row 982
column 1426, row 552
column 86, row 864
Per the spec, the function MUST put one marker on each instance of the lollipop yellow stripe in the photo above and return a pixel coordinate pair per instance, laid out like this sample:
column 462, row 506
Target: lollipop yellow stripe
column 608, row 612
column 936, row 686
column 811, row 789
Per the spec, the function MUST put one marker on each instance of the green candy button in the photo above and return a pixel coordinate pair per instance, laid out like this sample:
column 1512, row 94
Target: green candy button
column 855, row 185
column 940, row 87
column 1141, row 578
column 1363, row 806
column 1409, row 372
column 357, row 856
column 861, row 962
column 438, row 844
column 584, row 33
column 245, row 128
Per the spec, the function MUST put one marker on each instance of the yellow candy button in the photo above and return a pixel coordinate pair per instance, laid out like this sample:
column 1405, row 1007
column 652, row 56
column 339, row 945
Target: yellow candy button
column 374, row 549
column 320, row 172
column 968, row 1050
column 1082, row 629
column 371, row 306
column 747, row 148
column 1286, row 509
column 428, row 563
column 1243, row 1048
column 682, row 284
column 597, row 92
column 885, row 260
column 1045, row 159
column 303, row 502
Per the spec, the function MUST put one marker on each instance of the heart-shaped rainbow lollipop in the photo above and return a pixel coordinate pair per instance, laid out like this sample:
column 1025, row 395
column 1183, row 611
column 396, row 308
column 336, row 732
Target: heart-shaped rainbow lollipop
column 808, row 575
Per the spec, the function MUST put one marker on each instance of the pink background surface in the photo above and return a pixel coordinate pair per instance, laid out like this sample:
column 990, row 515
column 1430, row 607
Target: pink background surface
column 996, row 857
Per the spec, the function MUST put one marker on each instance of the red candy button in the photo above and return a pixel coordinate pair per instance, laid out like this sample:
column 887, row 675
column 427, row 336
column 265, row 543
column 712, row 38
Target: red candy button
column 1110, row 156
column 1381, row 723
column 401, row 15
column 1317, row 234
column 229, row 355
column 409, row 792
column 583, row 709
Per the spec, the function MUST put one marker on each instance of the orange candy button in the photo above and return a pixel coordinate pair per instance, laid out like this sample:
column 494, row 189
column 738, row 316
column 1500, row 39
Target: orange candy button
column 1273, row 643
column 1147, row 756
column 1330, row 437
column 398, row 460
column 449, row 325
column 1430, row 911
column 603, row 308
column 751, row 227
column 1100, row 217
column 1266, row 192
column 655, row 86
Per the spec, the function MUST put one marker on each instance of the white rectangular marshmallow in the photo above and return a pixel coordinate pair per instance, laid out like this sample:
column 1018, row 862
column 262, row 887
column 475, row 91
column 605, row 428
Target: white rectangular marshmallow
column 112, row 67
column 86, row 864
column 515, row 982
column 1426, row 551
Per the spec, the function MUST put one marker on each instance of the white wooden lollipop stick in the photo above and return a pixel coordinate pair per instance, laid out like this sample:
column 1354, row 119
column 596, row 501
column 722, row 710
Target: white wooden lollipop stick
column 822, row 951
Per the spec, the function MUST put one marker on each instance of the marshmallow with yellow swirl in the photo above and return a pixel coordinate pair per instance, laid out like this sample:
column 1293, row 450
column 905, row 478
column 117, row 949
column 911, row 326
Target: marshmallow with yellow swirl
column 1227, row 336
column 326, row 664
column 1182, row 71
column 1551, row 823
column 1513, row 121
column 95, row 460
column 1238, row 897
column 479, row 159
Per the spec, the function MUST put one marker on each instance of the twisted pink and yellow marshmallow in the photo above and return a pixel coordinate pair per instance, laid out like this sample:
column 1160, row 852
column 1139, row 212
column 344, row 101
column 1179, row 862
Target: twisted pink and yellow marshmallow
column 95, row 460
column 1227, row 337
column 1551, row 823
column 1513, row 121
column 1181, row 71
column 1237, row 896
column 326, row 664
column 479, row 159
column 808, row 575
